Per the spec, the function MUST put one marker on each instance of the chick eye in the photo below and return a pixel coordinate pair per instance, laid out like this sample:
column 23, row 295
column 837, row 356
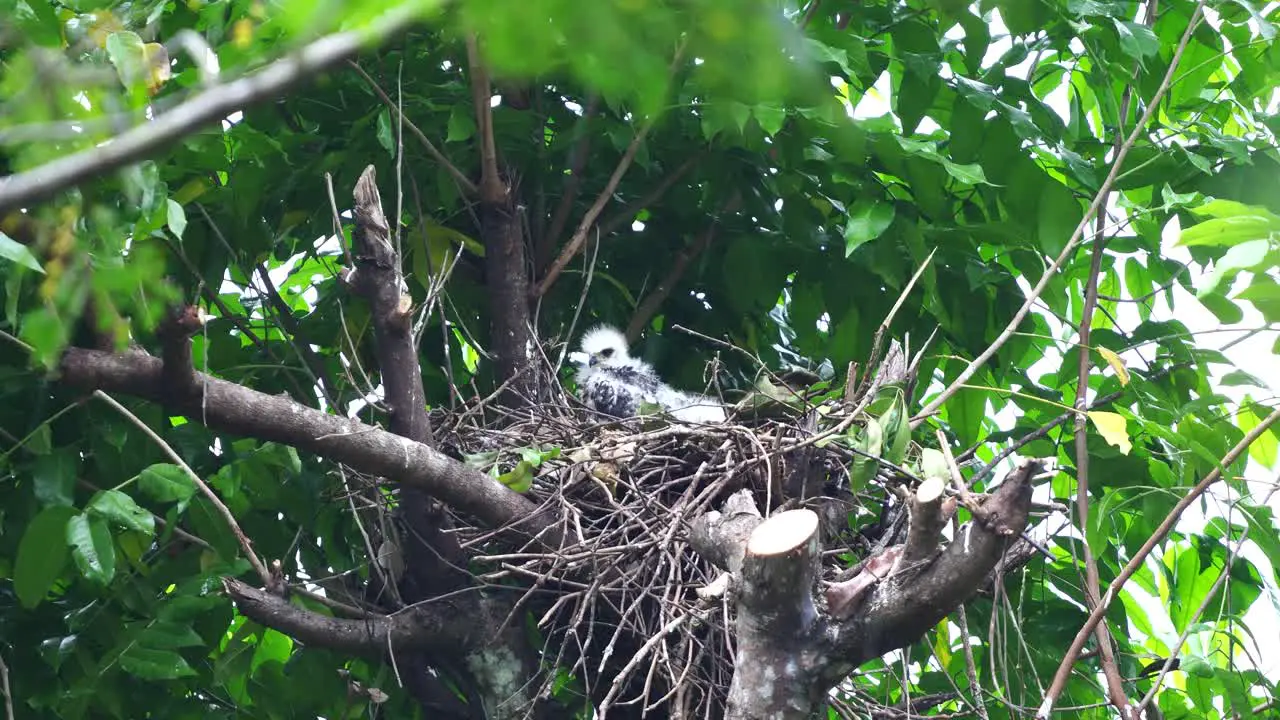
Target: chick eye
column 607, row 352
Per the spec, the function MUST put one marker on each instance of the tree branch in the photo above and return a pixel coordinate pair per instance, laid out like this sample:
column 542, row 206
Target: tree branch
column 572, row 184
column 624, row 216
column 233, row 408
column 589, row 218
column 1161, row 532
column 1074, row 241
column 209, row 106
column 649, row 306
column 437, row 556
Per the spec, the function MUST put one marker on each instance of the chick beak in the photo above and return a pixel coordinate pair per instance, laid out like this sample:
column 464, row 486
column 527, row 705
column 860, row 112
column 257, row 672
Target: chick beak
column 593, row 359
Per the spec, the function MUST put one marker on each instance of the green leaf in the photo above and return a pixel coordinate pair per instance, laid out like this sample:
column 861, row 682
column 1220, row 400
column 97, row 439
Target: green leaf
column 177, row 219
column 168, row 635
column 897, row 431
column 385, row 133
column 120, row 509
column 461, row 125
column 1264, row 294
column 1228, row 231
column 1136, row 40
column 274, row 647
column 91, row 547
column 1245, row 256
column 154, row 664
column 868, row 219
column 520, row 478
column 166, row 483
column 42, row 555
column 770, row 117
column 933, row 464
column 869, row 440
column 127, row 54
column 1226, row 311
column 16, row 252
column 1264, row 449
column 55, row 477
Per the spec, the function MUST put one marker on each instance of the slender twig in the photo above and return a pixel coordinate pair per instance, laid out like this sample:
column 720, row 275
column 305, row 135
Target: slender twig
column 649, row 306
column 572, row 181
column 223, row 510
column 464, row 182
column 589, row 218
column 1106, row 653
column 1077, row 235
column 4, row 688
column 1161, row 532
column 1192, row 625
column 627, row 214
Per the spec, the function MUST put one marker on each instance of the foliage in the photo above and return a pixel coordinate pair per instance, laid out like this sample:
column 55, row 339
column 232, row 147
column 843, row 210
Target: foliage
column 964, row 139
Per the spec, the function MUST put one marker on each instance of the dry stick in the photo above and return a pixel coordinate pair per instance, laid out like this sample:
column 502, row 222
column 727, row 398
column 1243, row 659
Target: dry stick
column 209, row 106
column 230, row 519
column 464, row 182
column 1076, row 236
column 589, row 219
column 1064, row 670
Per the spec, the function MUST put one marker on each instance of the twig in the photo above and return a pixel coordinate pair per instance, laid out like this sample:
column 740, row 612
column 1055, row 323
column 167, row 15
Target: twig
column 4, row 687
column 209, row 106
column 628, row 213
column 223, row 510
column 1191, row 626
column 464, row 182
column 1074, row 241
column 572, row 182
column 1064, row 670
column 589, row 219
column 1106, row 653
column 649, row 306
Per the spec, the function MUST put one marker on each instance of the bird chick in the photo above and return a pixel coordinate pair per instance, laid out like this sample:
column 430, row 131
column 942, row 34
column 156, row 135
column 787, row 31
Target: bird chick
column 615, row 384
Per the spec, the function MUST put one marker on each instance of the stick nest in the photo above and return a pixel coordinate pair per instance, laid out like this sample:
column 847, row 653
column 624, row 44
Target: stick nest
column 636, row 614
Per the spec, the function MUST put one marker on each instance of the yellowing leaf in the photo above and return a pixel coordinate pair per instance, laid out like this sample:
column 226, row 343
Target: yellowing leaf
column 1112, row 428
column 1116, row 364
column 157, row 63
column 242, row 33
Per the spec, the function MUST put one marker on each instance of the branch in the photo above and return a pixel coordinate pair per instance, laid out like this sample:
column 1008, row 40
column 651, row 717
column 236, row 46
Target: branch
column 1064, row 669
column 772, row 677
column 624, row 216
column 589, row 219
column 1106, row 653
column 378, row 279
column 207, row 107
column 491, row 188
column 1074, row 241
column 905, row 605
column 464, row 182
column 233, row 408
column 572, row 182
column 649, row 306
column 443, row 626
